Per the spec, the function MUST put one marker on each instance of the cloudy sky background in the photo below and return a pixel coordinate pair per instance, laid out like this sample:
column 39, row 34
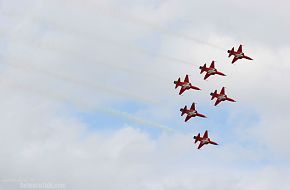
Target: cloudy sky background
column 87, row 95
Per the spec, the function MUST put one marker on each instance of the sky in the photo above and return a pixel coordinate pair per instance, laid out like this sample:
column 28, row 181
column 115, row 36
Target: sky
column 88, row 101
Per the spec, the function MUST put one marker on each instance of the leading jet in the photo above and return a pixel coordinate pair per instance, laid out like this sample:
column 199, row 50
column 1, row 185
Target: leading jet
column 190, row 112
column 238, row 54
column 211, row 70
column 221, row 96
column 203, row 140
column 185, row 85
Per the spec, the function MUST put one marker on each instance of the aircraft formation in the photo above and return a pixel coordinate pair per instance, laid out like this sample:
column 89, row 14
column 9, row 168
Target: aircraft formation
column 220, row 97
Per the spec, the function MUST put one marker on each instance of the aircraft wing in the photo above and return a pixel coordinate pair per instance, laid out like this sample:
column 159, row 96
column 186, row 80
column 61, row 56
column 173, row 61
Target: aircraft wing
column 200, row 145
column 206, row 76
column 186, row 79
column 212, row 64
column 205, row 135
column 240, row 49
column 222, row 90
column 234, row 60
column 192, row 106
column 187, row 118
column 182, row 90
column 217, row 102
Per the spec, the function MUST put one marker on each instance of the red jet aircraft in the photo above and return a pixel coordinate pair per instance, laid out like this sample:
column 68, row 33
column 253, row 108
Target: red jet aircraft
column 203, row 140
column 190, row 112
column 220, row 97
column 238, row 54
column 211, row 70
column 186, row 85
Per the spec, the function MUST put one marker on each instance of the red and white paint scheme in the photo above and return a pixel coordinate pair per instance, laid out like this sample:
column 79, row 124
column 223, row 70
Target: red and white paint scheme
column 220, row 97
column 238, row 54
column 203, row 140
column 190, row 112
column 185, row 85
column 211, row 70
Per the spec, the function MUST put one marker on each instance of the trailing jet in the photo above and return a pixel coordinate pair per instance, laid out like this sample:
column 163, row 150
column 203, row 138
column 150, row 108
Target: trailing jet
column 190, row 112
column 186, row 85
column 220, row 97
column 211, row 70
column 203, row 140
column 238, row 54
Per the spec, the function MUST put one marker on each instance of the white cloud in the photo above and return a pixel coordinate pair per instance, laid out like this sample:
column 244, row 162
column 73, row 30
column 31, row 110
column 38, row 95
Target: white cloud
column 71, row 42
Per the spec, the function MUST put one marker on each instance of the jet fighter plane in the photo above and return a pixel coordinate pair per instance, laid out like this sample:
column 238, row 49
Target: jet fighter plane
column 203, row 140
column 220, row 97
column 186, row 85
column 238, row 54
column 190, row 112
column 211, row 70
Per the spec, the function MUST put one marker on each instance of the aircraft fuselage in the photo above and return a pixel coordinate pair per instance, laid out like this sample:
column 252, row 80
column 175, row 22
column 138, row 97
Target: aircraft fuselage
column 192, row 113
column 222, row 97
column 211, row 71
column 186, row 85
column 239, row 55
column 205, row 141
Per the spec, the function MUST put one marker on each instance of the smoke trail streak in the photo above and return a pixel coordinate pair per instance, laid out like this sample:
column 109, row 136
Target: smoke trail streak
column 88, row 105
column 75, row 32
column 86, row 60
column 144, row 51
column 94, row 86
column 78, row 81
column 136, row 119
column 118, row 15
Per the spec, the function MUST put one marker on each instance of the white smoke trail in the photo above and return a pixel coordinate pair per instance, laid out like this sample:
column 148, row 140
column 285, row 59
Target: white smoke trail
column 93, row 38
column 80, row 103
column 66, row 52
column 124, row 16
column 116, row 14
column 88, row 84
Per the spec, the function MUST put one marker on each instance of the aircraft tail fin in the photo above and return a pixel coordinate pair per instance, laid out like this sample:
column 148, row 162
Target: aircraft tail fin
column 183, row 110
column 231, row 52
column 177, row 83
column 213, row 94
column 197, row 138
column 202, row 68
